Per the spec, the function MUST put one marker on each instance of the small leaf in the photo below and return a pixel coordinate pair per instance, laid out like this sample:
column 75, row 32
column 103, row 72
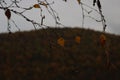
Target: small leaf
column 77, row 39
column 61, row 41
column 36, row 6
column 102, row 39
column 8, row 13
column 78, row 1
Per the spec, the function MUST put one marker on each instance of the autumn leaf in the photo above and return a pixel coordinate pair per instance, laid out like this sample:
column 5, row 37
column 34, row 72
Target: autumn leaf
column 8, row 13
column 78, row 1
column 36, row 6
column 102, row 39
column 61, row 41
column 77, row 39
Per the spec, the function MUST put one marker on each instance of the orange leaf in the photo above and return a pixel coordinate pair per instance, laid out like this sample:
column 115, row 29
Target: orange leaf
column 61, row 42
column 36, row 6
column 8, row 13
column 102, row 39
column 77, row 39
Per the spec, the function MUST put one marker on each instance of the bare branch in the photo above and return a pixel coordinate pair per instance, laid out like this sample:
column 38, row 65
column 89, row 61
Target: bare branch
column 15, row 4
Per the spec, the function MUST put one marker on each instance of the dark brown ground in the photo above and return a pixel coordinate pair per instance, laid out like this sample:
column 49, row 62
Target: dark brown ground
column 36, row 55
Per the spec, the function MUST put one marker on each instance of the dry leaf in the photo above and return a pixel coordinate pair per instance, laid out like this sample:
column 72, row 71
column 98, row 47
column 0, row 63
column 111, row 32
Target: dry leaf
column 102, row 39
column 77, row 39
column 36, row 6
column 8, row 13
column 61, row 42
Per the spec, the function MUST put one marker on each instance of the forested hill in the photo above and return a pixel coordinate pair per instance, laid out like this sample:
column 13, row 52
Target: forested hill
column 59, row 54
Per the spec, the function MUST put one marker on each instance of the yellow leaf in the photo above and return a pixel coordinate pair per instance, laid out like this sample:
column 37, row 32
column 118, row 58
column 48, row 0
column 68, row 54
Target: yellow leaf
column 77, row 39
column 36, row 6
column 102, row 39
column 61, row 41
column 78, row 1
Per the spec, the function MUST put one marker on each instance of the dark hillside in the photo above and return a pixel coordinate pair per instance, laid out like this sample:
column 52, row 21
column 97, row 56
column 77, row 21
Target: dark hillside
column 36, row 55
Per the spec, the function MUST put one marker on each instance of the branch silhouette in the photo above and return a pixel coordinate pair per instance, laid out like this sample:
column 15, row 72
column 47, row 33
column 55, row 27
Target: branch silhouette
column 12, row 6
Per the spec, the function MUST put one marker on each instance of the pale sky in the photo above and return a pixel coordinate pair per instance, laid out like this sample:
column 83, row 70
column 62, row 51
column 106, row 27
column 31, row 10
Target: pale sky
column 70, row 16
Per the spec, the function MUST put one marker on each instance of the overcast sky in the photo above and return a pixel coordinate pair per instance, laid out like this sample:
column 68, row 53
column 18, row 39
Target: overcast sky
column 70, row 15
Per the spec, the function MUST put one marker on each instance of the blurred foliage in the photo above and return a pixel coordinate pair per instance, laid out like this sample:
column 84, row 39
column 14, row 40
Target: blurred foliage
column 77, row 39
column 61, row 42
column 36, row 55
column 102, row 39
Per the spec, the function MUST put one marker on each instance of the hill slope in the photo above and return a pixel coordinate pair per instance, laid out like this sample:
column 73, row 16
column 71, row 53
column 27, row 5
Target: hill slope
column 36, row 55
